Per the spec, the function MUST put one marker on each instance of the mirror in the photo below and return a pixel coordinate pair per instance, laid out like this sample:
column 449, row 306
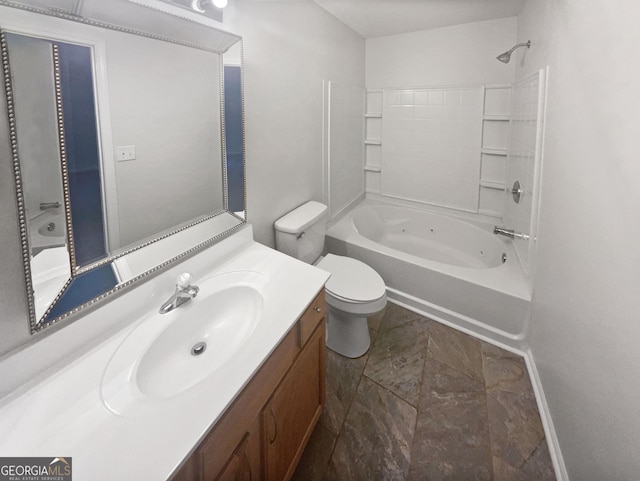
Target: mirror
column 119, row 144
column 234, row 131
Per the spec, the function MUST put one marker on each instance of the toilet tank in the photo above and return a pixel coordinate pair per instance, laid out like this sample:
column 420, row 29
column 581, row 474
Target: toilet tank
column 300, row 233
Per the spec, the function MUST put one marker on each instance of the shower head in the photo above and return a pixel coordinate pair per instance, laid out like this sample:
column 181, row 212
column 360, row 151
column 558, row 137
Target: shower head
column 505, row 57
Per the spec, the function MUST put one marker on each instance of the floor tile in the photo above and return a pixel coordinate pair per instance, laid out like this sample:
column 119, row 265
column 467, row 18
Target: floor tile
column 515, row 426
column 396, row 316
column 315, row 459
column 397, row 359
column 456, row 349
column 427, row 403
column 505, row 372
column 539, row 465
column 494, row 351
column 343, row 376
column 452, row 433
column 503, row 471
column 376, row 437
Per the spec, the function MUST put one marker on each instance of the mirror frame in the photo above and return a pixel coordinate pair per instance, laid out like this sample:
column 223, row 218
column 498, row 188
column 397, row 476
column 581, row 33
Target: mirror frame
column 35, row 324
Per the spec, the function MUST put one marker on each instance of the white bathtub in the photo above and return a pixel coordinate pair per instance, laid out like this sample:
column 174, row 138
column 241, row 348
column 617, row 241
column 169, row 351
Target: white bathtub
column 452, row 269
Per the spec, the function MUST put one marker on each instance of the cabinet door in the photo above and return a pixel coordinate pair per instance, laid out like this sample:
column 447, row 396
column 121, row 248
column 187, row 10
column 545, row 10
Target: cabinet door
column 188, row 472
column 291, row 414
column 245, row 462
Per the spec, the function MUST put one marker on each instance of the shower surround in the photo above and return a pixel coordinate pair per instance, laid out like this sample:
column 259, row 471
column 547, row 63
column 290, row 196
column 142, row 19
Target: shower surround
column 439, row 166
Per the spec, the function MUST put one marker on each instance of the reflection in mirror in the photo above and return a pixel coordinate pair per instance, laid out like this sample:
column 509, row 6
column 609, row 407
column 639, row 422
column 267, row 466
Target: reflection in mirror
column 80, row 290
column 165, row 124
column 35, row 66
column 234, row 140
column 119, row 153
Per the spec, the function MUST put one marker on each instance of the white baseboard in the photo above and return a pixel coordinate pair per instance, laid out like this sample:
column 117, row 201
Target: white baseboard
column 547, row 421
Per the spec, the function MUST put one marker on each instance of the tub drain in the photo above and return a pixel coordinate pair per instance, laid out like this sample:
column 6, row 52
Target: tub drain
column 198, row 348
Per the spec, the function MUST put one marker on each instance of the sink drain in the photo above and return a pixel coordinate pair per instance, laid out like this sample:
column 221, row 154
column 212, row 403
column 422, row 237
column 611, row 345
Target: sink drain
column 198, row 348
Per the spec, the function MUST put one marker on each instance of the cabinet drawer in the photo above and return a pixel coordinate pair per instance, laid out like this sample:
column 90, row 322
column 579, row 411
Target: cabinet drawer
column 311, row 318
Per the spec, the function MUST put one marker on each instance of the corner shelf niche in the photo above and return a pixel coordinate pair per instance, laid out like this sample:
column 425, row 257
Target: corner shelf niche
column 495, row 131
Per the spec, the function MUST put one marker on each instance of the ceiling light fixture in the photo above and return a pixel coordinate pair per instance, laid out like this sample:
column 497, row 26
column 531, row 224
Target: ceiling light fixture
column 202, row 5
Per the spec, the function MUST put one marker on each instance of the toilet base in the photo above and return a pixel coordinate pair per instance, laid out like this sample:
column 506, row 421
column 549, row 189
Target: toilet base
column 348, row 335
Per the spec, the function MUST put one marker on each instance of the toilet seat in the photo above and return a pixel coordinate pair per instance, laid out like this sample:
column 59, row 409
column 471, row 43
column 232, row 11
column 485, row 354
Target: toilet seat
column 365, row 309
column 353, row 285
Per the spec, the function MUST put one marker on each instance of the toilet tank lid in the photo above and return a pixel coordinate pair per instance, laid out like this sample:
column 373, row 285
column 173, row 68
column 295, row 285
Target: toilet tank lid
column 301, row 218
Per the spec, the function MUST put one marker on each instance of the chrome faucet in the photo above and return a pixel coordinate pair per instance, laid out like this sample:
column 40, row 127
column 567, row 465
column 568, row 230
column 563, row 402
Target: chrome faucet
column 510, row 233
column 184, row 292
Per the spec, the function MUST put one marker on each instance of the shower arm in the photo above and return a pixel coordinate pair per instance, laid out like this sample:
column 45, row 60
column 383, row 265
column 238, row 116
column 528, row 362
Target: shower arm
column 506, row 56
column 524, row 44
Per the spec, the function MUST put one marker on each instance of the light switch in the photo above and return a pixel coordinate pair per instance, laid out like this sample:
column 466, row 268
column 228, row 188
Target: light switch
column 125, row 152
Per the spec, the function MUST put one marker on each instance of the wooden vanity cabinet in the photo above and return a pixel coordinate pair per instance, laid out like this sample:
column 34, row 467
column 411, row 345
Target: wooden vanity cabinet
column 265, row 430
column 293, row 410
column 245, row 463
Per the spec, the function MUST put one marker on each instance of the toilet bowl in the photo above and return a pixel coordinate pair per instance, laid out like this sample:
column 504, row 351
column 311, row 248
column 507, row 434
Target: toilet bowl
column 353, row 292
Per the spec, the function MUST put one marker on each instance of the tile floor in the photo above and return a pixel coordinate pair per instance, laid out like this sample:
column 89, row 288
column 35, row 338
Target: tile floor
column 427, row 403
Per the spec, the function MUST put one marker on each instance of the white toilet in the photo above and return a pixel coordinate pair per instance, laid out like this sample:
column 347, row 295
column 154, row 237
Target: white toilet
column 354, row 291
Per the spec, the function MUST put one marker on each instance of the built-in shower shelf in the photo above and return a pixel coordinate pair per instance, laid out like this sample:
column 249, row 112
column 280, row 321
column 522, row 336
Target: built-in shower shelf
column 494, row 151
column 496, row 117
column 373, row 141
column 491, row 184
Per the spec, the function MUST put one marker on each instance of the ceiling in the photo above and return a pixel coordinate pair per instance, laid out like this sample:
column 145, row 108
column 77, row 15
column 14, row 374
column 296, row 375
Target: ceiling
column 377, row 18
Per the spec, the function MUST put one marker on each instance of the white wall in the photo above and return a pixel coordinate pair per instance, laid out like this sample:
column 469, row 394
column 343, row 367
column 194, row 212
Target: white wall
column 458, row 55
column 585, row 330
column 289, row 48
column 346, row 146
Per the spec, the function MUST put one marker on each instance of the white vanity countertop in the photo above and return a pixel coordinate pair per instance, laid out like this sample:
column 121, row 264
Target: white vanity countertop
column 63, row 415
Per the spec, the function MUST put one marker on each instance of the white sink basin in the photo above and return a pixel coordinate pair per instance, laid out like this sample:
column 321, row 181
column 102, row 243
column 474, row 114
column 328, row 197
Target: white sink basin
column 169, row 354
